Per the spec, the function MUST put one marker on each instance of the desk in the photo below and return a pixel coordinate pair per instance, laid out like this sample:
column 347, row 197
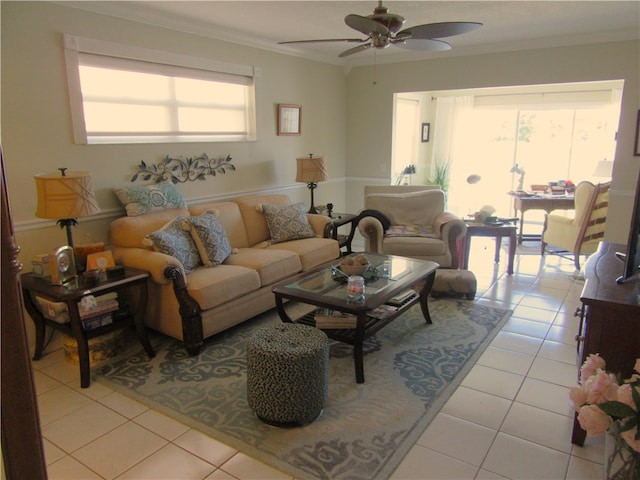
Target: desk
column 497, row 231
column 548, row 203
column 71, row 294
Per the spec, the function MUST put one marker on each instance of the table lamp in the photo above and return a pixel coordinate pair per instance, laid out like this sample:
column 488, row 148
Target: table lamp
column 603, row 169
column 520, row 172
column 64, row 197
column 311, row 170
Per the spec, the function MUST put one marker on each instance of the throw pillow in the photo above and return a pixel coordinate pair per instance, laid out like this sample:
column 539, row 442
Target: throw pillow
column 287, row 222
column 210, row 238
column 141, row 199
column 173, row 240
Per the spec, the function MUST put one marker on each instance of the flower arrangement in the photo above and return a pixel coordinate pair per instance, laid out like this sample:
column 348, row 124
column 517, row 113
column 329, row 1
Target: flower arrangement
column 603, row 403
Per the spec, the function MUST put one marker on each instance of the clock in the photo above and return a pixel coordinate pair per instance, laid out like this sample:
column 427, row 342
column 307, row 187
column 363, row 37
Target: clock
column 63, row 265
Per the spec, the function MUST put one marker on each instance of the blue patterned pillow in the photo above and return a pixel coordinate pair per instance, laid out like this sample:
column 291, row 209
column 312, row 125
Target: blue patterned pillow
column 174, row 240
column 142, row 199
column 210, row 238
column 287, row 222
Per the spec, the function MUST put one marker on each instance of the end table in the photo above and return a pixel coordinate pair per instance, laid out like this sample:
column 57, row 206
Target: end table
column 477, row 229
column 70, row 294
column 338, row 220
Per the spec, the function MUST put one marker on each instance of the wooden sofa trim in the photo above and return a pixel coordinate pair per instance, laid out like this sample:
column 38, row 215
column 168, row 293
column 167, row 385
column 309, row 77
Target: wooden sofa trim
column 190, row 311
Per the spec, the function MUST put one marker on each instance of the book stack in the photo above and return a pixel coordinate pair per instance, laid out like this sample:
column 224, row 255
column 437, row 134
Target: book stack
column 99, row 312
column 327, row 318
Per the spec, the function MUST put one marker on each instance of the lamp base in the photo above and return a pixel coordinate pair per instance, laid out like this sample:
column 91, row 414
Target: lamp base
column 312, row 186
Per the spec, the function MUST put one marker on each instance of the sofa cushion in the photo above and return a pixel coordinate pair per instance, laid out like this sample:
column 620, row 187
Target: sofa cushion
column 141, row 199
column 414, row 246
column 172, row 239
column 312, row 251
column 254, row 221
column 211, row 287
column 287, row 222
column 414, row 208
column 229, row 216
column 210, row 239
column 271, row 265
column 131, row 231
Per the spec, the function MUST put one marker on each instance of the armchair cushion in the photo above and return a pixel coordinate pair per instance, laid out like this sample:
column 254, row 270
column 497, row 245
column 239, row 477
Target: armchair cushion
column 410, row 208
column 410, row 231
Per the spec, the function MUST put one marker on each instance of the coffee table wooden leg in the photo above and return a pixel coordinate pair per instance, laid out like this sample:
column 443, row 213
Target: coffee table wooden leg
column 281, row 311
column 424, row 296
column 358, row 347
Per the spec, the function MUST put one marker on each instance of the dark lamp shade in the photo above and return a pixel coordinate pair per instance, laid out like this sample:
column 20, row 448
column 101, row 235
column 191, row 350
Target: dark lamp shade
column 64, row 197
column 311, row 170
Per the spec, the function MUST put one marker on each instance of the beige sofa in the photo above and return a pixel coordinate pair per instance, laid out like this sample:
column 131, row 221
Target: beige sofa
column 191, row 307
column 419, row 227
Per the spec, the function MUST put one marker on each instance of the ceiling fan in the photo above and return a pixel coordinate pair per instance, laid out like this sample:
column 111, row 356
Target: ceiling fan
column 382, row 28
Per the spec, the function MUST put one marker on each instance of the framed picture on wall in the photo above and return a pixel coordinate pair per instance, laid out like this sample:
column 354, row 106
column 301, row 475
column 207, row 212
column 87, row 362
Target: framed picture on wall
column 426, row 128
column 289, row 119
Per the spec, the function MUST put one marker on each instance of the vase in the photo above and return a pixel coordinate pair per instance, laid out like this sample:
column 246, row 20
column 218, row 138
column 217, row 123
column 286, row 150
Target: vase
column 621, row 462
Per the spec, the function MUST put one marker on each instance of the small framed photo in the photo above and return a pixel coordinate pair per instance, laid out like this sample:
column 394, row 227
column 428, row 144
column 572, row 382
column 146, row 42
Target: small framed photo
column 289, row 119
column 426, row 129
column 100, row 260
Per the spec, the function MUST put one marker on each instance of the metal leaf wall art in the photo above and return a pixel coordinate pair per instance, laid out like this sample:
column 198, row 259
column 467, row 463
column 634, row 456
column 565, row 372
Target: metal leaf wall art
column 181, row 170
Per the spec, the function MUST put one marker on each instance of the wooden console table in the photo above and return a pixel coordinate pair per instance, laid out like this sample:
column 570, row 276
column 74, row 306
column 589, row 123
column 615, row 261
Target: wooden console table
column 548, row 203
column 609, row 318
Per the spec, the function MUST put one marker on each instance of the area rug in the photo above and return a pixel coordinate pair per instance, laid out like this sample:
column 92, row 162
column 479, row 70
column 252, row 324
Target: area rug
column 365, row 430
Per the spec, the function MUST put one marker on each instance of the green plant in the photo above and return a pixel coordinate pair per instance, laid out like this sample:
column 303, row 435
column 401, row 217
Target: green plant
column 441, row 175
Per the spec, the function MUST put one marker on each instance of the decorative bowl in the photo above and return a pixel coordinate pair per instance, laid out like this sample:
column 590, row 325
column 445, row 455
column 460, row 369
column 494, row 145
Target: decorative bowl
column 354, row 269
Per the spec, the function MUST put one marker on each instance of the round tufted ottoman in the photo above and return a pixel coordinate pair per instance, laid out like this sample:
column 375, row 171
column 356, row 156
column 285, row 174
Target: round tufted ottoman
column 287, row 374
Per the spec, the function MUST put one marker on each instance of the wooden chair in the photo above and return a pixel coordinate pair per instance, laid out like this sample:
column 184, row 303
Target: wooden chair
column 582, row 233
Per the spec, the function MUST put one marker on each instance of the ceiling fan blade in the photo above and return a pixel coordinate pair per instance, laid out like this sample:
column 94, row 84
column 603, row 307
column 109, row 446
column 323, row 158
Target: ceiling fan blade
column 359, row 48
column 365, row 25
column 422, row 44
column 321, row 40
column 439, row 30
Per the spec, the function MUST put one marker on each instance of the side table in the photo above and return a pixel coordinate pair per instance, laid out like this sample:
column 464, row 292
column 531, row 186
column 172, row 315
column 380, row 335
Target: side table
column 338, row 220
column 70, row 294
column 497, row 231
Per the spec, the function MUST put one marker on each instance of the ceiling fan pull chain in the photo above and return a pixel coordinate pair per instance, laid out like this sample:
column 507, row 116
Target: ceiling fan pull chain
column 375, row 63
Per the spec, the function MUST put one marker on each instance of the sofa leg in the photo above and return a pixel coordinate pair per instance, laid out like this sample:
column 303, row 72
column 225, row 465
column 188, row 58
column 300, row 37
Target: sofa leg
column 190, row 312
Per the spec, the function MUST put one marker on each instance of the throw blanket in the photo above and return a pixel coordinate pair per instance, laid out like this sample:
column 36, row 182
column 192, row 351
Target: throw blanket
column 410, row 231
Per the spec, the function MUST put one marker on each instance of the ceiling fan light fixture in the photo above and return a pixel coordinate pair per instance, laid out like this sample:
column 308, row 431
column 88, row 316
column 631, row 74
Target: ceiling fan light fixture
column 382, row 27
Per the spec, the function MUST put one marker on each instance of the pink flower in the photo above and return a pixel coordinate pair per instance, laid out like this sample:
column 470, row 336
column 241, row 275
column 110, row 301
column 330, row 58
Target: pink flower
column 592, row 364
column 601, row 387
column 594, row 420
column 636, row 367
column 629, row 437
column 577, row 397
column 625, row 396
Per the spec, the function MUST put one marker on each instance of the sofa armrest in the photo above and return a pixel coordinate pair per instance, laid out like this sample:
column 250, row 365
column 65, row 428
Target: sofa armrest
column 318, row 223
column 451, row 229
column 153, row 262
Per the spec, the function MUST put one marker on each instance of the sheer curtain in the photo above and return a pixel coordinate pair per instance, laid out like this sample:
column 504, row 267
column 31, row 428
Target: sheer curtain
column 452, row 119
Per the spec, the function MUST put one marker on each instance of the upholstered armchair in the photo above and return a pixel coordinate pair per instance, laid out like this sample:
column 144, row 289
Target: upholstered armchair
column 410, row 221
column 581, row 234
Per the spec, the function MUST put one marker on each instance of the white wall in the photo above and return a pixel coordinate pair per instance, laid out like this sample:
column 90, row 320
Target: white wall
column 36, row 126
column 370, row 107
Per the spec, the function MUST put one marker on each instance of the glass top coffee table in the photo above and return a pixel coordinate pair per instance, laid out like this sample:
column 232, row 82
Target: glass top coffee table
column 388, row 295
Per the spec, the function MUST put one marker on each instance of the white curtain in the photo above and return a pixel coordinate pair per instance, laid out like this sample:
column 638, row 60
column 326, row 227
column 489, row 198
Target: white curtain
column 451, row 117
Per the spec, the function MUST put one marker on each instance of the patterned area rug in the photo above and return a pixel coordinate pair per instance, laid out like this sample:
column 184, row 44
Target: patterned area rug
column 365, row 430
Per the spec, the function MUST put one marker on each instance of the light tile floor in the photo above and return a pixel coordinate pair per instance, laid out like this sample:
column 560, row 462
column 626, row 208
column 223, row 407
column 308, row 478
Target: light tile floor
column 510, row 417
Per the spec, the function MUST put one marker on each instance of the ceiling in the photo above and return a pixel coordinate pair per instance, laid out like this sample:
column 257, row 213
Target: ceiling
column 508, row 25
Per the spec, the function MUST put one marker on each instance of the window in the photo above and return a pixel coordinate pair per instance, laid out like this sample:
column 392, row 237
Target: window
column 123, row 94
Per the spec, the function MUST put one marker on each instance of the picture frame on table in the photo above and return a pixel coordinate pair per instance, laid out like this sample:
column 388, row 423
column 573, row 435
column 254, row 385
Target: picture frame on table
column 289, row 119
column 426, row 130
